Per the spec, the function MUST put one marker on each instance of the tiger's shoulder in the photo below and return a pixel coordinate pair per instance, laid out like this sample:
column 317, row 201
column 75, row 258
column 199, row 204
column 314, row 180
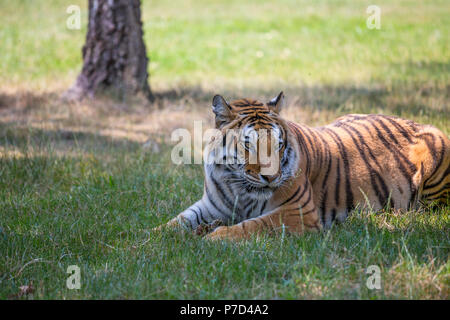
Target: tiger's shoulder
column 385, row 129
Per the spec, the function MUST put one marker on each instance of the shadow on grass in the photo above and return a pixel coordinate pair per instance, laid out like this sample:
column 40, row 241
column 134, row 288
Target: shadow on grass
column 26, row 138
column 421, row 102
column 25, row 100
column 401, row 97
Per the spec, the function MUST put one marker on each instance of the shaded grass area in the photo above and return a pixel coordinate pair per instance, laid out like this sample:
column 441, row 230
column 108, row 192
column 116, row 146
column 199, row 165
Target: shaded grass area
column 318, row 104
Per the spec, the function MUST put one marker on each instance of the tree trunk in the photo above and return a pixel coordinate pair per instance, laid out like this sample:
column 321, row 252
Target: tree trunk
column 114, row 55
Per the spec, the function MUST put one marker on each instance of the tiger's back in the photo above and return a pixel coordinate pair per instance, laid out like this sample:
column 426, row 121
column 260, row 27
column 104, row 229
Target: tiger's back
column 374, row 160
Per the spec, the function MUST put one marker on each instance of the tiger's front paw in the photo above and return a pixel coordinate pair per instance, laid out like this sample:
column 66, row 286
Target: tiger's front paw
column 204, row 229
column 227, row 233
column 219, row 233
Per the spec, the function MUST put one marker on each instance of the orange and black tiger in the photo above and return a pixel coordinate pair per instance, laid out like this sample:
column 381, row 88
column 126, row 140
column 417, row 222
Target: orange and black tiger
column 323, row 174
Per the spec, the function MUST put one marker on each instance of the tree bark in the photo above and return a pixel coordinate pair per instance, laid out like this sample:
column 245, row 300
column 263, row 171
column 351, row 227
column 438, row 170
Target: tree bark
column 114, row 55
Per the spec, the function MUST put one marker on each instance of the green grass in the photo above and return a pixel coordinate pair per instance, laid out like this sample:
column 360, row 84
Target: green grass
column 70, row 194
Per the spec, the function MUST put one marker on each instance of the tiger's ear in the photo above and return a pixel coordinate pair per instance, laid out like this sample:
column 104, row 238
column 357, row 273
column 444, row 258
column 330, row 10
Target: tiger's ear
column 277, row 103
column 222, row 110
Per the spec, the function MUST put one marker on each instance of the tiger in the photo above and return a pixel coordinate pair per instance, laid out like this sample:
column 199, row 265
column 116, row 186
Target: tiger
column 324, row 173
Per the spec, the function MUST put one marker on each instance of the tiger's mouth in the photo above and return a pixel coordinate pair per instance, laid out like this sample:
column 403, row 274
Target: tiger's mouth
column 264, row 192
column 255, row 188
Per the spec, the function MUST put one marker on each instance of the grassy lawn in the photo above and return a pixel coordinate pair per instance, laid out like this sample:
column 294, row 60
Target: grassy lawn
column 82, row 183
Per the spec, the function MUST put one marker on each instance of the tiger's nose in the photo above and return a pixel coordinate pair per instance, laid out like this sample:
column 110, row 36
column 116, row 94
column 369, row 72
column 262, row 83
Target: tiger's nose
column 268, row 178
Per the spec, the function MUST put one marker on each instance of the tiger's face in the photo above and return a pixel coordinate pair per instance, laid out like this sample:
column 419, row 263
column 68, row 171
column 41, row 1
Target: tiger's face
column 257, row 154
column 260, row 151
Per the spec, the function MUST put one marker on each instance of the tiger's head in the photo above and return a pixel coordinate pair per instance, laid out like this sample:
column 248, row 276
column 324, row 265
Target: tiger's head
column 256, row 146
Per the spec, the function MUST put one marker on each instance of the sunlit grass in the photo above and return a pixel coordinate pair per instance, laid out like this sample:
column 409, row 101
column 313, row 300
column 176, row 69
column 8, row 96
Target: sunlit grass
column 240, row 44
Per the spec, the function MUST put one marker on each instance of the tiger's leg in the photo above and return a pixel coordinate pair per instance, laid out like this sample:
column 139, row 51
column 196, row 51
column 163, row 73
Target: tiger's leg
column 192, row 218
column 293, row 217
